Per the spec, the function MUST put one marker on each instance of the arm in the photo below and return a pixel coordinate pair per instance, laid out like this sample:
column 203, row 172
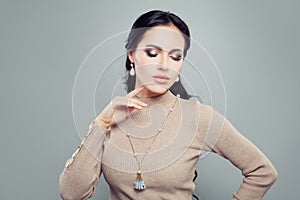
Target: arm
column 259, row 173
column 82, row 171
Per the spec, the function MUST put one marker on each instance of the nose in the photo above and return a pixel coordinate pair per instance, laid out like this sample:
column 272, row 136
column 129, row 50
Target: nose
column 163, row 62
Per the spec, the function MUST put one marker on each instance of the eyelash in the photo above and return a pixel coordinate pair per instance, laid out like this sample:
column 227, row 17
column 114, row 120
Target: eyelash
column 177, row 58
column 148, row 52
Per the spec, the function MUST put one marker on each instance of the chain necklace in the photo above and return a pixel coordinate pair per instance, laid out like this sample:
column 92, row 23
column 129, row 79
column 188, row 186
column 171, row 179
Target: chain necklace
column 139, row 183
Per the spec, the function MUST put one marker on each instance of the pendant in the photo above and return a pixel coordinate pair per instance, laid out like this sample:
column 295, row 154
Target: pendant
column 139, row 183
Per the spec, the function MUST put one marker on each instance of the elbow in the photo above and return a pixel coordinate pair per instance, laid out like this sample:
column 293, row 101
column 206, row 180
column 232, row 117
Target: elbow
column 273, row 175
column 68, row 193
column 70, row 190
column 263, row 176
column 74, row 195
column 66, row 190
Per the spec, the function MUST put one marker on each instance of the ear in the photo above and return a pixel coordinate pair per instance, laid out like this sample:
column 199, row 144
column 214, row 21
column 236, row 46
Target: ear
column 130, row 56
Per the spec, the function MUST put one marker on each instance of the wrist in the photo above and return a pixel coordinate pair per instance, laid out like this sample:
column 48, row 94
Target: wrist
column 102, row 123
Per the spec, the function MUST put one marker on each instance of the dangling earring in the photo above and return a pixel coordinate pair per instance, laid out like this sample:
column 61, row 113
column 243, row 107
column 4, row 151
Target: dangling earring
column 132, row 72
column 177, row 79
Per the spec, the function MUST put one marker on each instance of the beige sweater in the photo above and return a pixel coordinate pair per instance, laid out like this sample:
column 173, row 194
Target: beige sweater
column 168, row 169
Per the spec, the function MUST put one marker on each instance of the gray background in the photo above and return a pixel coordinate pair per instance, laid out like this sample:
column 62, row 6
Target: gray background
column 254, row 43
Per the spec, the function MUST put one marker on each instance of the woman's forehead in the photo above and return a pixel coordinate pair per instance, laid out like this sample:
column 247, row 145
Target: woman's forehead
column 165, row 37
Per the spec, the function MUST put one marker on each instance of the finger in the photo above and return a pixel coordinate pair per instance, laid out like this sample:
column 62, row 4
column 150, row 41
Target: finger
column 137, row 102
column 135, row 92
column 134, row 105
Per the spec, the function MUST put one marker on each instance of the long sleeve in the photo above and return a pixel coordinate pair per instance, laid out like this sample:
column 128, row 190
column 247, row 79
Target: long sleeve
column 259, row 173
column 82, row 171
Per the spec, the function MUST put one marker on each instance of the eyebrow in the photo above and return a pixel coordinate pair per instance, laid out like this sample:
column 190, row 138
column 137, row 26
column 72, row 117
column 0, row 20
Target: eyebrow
column 159, row 48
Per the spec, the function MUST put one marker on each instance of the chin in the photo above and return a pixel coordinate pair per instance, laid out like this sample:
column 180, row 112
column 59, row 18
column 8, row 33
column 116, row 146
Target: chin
column 157, row 89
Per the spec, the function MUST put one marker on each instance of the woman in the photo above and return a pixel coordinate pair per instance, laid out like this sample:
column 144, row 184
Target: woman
column 147, row 143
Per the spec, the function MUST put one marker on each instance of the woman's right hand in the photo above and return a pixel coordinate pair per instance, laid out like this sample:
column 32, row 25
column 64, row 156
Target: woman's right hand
column 119, row 108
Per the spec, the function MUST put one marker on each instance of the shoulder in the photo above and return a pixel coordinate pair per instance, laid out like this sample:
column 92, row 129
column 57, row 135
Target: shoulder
column 202, row 112
column 200, row 108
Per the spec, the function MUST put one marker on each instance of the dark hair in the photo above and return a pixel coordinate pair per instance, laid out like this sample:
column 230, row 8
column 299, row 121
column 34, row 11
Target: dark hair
column 140, row 26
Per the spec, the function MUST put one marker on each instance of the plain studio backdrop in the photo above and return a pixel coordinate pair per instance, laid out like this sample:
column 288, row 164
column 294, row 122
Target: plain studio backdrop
column 255, row 45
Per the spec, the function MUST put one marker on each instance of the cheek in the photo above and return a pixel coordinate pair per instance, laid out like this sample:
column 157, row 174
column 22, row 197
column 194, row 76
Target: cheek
column 176, row 66
column 142, row 59
column 145, row 71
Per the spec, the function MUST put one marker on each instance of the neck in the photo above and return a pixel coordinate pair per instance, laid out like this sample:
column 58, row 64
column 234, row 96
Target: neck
column 162, row 99
column 149, row 94
column 146, row 93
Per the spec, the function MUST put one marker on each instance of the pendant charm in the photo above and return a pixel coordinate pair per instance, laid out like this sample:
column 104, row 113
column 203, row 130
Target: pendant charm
column 139, row 183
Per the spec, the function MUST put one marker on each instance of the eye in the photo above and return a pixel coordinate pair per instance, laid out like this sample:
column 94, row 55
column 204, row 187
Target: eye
column 151, row 52
column 176, row 57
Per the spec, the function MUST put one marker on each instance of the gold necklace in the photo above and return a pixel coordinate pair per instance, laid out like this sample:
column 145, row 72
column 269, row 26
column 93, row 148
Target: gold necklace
column 139, row 183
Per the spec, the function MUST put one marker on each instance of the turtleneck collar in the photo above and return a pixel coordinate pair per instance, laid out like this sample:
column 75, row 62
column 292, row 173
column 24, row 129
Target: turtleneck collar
column 163, row 99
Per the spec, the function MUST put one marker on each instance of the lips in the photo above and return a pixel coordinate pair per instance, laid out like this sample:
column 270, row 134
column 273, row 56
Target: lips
column 161, row 78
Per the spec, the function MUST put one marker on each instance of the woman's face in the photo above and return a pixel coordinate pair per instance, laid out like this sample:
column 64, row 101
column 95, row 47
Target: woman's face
column 158, row 59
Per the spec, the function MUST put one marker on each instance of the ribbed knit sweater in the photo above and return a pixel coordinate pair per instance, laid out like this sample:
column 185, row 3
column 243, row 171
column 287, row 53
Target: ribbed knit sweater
column 191, row 129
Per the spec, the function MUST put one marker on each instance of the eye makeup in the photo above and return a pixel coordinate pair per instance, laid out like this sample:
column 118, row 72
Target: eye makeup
column 176, row 57
column 153, row 51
